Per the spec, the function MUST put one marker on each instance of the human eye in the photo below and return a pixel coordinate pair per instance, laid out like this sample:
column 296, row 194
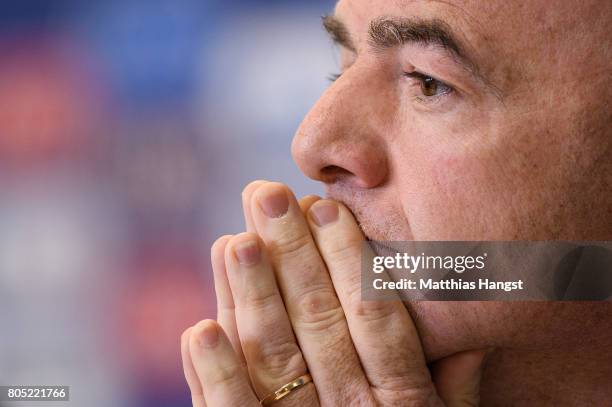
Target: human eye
column 430, row 89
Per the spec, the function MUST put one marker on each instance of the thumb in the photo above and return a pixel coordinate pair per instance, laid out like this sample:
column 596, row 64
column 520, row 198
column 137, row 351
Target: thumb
column 457, row 378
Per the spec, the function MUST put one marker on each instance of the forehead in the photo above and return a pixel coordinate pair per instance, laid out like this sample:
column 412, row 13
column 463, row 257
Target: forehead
column 484, row 22
column 497, row 34
column 478, row 22
column 357, row 16
column 470, row 14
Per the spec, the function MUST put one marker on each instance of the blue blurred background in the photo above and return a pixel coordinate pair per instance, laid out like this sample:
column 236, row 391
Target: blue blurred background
column 127, row 131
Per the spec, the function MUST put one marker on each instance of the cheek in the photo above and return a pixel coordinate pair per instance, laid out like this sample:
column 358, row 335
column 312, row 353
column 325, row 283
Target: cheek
column 449, row 174
column 449, row 198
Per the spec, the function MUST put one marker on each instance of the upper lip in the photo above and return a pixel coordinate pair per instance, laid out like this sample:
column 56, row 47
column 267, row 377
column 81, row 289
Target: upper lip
column 334, row 194
column 350, row 208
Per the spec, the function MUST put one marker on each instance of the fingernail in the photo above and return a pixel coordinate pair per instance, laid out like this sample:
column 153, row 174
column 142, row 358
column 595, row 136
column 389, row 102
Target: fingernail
column 209, row 335
column 324, row 212
column 248, row 253
column 275, row 204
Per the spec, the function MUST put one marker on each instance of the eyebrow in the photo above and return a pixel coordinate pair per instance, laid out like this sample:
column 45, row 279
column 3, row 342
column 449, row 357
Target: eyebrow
column 386, row 32
column 338, row 32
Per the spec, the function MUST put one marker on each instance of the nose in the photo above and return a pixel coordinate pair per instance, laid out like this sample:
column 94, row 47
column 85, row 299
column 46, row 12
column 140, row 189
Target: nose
column 341, row 139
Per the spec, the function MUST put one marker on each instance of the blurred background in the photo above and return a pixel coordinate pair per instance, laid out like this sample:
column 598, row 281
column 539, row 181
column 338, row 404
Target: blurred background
column 127, row 132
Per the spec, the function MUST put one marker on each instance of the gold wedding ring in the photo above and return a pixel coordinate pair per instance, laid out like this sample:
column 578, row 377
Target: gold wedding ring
column 285, row 390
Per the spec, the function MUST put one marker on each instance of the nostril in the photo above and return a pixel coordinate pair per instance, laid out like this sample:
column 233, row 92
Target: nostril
column 333, row 173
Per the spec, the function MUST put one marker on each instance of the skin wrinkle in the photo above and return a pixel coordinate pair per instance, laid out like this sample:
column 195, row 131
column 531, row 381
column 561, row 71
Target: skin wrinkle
column 389, row 32
column 471, row 24
column 532, row 167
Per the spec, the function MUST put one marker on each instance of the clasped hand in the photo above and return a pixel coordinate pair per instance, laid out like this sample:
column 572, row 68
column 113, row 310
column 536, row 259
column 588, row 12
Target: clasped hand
column 289, row 303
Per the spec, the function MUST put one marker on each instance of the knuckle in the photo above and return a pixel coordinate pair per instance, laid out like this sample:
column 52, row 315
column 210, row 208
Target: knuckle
column 319, row 309
column 346, row 249
column 257, row 298
column 369, row 311
column 352, row 393
column 224, row 375
column 280, row 360
column 424, row 396
column 291, row 244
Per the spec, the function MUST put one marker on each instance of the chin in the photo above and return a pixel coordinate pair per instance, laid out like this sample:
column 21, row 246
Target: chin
column 448, row 327
column 442, row 326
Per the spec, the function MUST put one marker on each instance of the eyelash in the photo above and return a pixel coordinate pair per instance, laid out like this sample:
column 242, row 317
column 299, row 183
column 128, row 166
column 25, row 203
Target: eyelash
column 333, row 77
column 422, row 78
column 427, row 79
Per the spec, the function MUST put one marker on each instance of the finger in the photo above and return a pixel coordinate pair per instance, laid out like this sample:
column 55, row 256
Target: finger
column 219, row 370
column 307, row 201
column 197, row 394
column 246, row 207
column 269, row 345
column 457, row 378
column 375, row 326
column 313, row 308
column 225, row 302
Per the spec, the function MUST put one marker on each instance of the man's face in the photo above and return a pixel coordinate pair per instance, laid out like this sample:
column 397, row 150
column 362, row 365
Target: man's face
column 467, row 120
